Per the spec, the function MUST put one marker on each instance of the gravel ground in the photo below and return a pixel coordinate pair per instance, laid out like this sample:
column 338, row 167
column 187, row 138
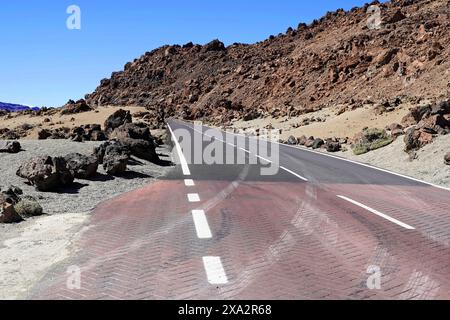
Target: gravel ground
column 29, row 248
column 84, row 195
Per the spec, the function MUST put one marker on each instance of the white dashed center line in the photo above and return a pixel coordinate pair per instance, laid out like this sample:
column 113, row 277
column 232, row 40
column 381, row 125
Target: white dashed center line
column 193, row 197
column 201, row 224
column 245, row 150
column 189, row 183
column 184, row 164
column 293, row 173
column 264, row 159
column 382, row 215
column 214, row 270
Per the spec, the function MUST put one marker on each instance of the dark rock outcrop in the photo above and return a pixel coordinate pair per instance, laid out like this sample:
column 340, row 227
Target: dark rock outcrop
column 82, row 166
column 46, row 173
column 89, row 132
column 73, row 107
column 115, row 160
column 114, row 156
column 10, row 147
column 416, row 139
column 332, row 146
column 117, row 119
column 28, row 207
column 137, row 138
column 8, row 214
column 292, row 141
column 318, row 143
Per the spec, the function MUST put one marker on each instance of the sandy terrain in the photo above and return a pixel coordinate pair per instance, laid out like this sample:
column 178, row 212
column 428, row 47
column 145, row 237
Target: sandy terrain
column 28, row 249
column 429, row 165
column 345, row 125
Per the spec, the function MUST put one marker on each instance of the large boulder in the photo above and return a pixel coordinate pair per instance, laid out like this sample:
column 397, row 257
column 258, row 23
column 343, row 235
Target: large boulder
column 318, row 143
column 11, row 194
column 73, row 107
column 292, row 141
column 44, row 134
column 310, row 142
column 416, row 139
column 115, row 160
column 132, row 131
column 442, row 108
column 117, row 119
column 302, row 140
column 118, row 148
column 333, row 146
column 8, row 214
column 415, row 115
column 89, row 132
column 436, row 124
column 10, row 147
column 28, row 207
column 142, row 149
column 98, row 135
column 46, row 173
column 138, row 139
column 82, row 166
column 214, row 45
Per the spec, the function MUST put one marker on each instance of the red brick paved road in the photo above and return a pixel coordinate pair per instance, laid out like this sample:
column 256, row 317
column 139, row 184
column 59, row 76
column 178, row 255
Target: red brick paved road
column 143, row 245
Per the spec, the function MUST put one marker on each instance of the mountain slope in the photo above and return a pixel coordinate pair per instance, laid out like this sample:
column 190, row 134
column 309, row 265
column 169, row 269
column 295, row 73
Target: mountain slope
column 335, row 60
column 10, row 107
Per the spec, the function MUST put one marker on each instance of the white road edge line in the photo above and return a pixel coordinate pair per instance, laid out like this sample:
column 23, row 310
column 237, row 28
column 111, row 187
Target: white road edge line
column 382, row 215
column 184, row 165
column 347, row 160
column 214, row 270
column 201, row 224
column 193, row 197
column 189, row 183
column 293, row 173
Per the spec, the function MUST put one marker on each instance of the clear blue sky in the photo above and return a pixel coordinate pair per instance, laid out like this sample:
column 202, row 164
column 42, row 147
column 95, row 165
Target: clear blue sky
column 44, row 63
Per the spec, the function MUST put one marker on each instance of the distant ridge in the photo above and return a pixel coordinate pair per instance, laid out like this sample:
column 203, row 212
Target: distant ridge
column 14, row 107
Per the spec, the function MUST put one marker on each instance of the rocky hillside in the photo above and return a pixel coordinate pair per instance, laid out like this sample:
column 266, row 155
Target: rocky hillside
column 335, row 60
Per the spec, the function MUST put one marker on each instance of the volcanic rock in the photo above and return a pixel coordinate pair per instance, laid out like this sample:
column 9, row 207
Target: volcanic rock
column 318, row 143
column 292, row 141
column 117, row 119
column 333, row 146
column 46, row 173
column 10, row 147
column 73, row 107
column 416, row 139
column 28, row 207
column 8, row 214
column 115, row 160
column 82, row 166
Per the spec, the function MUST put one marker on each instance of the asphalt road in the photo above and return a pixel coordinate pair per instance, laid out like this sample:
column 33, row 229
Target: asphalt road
column 321, row 227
